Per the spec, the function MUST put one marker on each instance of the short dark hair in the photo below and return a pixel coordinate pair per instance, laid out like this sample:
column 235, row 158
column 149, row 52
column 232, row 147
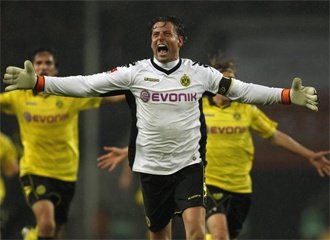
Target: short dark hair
column 221, row 64
column 178, row 24
column 41, row 50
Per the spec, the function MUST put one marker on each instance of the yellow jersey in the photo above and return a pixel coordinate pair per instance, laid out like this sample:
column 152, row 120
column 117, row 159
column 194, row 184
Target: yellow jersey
column 8, row 155
column 230, row 149
column 49, row 131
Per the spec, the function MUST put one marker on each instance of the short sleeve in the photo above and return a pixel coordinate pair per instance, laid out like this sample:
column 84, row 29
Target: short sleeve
column 261, row 124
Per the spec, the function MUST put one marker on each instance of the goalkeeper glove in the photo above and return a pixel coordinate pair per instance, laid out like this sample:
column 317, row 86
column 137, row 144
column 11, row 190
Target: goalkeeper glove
column 300, row 95
column 19, row 78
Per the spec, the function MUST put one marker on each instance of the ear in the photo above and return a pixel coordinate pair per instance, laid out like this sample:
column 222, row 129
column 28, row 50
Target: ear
column 180, row 41
column 55, row 71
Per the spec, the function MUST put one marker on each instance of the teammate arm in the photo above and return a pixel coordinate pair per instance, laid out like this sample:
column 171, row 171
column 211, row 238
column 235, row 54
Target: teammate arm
column 112, row 158
column 316, row 159
column 112, row 99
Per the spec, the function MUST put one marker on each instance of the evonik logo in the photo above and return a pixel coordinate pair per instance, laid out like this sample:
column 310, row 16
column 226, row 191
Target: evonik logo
column 147, row 96
column 47, row 119
column 226, row 130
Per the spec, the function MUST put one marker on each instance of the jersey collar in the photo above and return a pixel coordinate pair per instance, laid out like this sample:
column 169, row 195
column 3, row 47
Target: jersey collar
column 162, row 67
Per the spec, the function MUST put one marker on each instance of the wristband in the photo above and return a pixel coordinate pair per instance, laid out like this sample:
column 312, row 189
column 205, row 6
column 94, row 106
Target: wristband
column 285, row 96
column 40, row 85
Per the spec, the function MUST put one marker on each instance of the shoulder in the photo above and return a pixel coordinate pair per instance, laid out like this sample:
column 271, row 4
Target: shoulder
column 17, row 94
column 198, row 66
column 5, row 140
column 136, row 64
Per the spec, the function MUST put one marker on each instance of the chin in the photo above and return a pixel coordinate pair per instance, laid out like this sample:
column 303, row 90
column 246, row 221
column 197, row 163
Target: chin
column 164, row 58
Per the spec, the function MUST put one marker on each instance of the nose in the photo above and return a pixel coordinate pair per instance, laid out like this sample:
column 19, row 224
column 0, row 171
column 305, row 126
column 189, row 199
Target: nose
column 161, row 36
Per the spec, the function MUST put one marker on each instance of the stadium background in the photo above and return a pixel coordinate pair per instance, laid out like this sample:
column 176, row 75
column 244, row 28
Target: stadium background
column 271, row 42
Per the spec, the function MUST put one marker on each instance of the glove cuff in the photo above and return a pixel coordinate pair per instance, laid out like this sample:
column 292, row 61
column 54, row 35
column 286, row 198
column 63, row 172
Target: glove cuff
column 40, row 85
column 285, row 96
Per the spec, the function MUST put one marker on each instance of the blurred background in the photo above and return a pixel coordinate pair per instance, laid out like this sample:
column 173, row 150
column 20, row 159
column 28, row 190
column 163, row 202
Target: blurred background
column 271, row 42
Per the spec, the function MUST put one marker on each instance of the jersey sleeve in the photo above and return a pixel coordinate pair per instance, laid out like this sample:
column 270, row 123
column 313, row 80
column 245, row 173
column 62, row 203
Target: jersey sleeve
column 254, row 93
column 214, row 78
column 8, row 151
column 7, row 103
column 90, row 86
column 88, row 103
column 261, row 124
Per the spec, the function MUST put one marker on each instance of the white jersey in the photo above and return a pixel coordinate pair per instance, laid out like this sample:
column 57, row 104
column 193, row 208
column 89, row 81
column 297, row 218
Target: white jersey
column 168, row 131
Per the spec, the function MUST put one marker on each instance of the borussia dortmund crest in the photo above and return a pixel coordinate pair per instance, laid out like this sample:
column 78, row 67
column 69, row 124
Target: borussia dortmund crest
column 237, row 116
column 185, row 80
column 59, row 104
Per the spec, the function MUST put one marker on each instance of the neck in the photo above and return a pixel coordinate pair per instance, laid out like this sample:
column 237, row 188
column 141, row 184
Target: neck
column 167, row 65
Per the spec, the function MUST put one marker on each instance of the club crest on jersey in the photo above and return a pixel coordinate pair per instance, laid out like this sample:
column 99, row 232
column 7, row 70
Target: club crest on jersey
column 59, row 104
column 237, row 116
column 185, row 80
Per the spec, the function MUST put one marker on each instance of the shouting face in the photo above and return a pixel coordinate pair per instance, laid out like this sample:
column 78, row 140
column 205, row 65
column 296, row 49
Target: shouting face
column 165, row 42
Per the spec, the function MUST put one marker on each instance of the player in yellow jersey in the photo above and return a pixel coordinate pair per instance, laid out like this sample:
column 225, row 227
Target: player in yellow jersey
column 9, row 166
column 49, row 134
column 230, row 155
column 8, row 162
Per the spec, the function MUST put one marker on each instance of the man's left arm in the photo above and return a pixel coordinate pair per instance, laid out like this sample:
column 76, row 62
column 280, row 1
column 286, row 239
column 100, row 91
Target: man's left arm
column 258, row 94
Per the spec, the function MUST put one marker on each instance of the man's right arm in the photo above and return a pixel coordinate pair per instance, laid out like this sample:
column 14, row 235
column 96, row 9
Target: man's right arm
column 75, row 86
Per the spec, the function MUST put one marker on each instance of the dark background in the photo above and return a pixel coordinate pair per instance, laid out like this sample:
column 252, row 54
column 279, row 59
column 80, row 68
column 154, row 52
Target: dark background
column 271, row 42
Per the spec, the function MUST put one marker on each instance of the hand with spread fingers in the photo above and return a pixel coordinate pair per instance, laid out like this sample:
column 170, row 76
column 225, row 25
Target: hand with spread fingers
column 18, row 78
column 320, row 162
column 112, row 158
column 303, row 96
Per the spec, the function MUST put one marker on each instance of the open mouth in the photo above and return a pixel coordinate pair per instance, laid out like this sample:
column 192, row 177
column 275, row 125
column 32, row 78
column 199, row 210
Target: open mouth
column 162, row 48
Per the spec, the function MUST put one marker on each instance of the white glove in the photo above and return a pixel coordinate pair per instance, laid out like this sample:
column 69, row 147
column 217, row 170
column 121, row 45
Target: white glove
column 19, row 78
column 303, row 96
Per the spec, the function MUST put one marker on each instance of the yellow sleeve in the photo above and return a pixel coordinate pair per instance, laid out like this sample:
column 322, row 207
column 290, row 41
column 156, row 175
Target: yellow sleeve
column 8, row 152
column 88, row 103
column 6, row 105
column 261, row 124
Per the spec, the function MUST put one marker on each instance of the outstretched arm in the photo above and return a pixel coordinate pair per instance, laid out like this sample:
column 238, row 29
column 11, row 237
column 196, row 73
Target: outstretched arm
column 74, row 86
column 258, row 94
column 112, row 158
column 316, row 159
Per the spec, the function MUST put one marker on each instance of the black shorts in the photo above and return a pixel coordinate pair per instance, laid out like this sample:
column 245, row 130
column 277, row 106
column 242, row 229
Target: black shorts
column 235, row 206
column 167, row 195
column 60, row 193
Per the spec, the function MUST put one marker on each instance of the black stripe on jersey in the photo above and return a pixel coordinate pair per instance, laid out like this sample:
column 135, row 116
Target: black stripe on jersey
column 114, row 93
column 203, row 129
column 168, row 72
column 224, row 85
column 130, row 99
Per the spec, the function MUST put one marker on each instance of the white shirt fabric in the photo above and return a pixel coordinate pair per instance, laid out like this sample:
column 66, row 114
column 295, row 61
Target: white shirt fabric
column 166, row 105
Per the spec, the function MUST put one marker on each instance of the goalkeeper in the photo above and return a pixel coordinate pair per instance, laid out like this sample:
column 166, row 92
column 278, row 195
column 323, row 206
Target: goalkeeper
column 168, row 136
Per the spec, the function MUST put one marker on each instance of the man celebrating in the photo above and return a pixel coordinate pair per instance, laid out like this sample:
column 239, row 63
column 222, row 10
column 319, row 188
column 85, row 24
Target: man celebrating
column 49, row 134
column 168, row 136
